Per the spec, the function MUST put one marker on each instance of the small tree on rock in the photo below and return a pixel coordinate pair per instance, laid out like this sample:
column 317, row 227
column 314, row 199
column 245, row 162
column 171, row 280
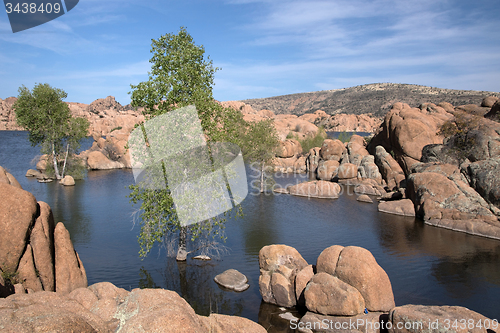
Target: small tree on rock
column 261, row 143
column 49, row 122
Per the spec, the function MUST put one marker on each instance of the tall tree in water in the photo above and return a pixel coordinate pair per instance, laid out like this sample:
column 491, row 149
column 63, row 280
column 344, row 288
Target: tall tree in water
column 181, row 76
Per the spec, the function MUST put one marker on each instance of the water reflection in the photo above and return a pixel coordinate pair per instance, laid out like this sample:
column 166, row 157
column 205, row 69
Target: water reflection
column 271, row 318
column 426, row 265
column 193, row 281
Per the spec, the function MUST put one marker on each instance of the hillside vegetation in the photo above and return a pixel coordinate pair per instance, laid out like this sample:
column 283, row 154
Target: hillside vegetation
column 374, row 98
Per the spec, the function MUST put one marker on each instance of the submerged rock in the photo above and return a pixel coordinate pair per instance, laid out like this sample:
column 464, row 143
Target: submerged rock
column 232, row 279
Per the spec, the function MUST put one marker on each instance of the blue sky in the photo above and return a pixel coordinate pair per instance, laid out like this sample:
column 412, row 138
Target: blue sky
column 264, row 47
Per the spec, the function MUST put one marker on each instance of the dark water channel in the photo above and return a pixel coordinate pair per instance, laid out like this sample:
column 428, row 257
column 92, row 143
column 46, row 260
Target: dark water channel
column 426, row 265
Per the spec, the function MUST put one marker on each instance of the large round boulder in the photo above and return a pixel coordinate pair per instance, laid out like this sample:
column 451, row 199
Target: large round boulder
column 279, row 264
column 357, row 267
column 328, row 295
column 289, row 148
column 327, row 169
column 332, row 149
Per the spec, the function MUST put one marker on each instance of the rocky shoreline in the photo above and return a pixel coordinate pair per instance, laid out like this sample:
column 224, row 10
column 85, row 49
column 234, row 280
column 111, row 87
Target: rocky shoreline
column 347, row 291
column 43, row 283
column 405, row 159
column 344, row 285
column 409, row 168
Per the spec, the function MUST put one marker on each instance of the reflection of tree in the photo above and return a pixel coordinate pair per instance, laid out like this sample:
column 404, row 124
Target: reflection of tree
column 258, row 227
column 193, row 281
column 146, row 280
column 67, row 207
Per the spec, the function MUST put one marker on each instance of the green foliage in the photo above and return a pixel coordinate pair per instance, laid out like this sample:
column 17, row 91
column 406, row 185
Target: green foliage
column 309, row 141
column 48, row 120
column 316, row 141
column 181, row 76
column 261, row 142
column 458, row 134
column 10, row 277
column 116, row 129
column 345, row 136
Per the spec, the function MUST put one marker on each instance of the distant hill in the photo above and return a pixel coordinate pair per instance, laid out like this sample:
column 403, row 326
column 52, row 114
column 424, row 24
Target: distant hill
column 374, row 98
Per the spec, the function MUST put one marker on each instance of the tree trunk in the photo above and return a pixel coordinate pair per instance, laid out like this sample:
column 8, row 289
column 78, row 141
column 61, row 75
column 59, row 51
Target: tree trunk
column 54, row 160
column 262, row 177
column 65, row 159
column 181, row 251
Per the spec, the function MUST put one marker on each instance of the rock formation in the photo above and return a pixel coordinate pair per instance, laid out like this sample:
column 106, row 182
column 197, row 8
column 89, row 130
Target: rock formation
column 34, row 252
column 316, row 189
column 347, row 291
column 344, row 281
column 279, row 265
column 103, row 307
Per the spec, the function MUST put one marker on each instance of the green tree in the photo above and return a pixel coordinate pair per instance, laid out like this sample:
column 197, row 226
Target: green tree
column 181, row 76
column 49, row 122
column 260, row 145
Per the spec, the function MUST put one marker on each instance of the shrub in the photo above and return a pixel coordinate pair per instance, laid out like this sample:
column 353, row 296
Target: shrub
column 344, row 136
column 316, row 141
column 458, row 134
column 10, row 278
column 116, row 129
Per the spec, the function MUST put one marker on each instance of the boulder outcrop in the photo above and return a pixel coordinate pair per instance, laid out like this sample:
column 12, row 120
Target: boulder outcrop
column 332, row 150
column 103, row 307
column 289, row 148
column 279, row 264
column 35, row 253
column 344, row 282
column 398, row 207
column 406, row 130
column 316, row 189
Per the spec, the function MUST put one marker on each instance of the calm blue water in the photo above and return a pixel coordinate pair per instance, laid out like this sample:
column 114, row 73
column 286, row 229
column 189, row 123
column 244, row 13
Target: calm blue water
column 426, row 265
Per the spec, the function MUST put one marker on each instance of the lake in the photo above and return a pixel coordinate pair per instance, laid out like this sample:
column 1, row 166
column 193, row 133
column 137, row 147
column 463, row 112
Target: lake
column 426, row 265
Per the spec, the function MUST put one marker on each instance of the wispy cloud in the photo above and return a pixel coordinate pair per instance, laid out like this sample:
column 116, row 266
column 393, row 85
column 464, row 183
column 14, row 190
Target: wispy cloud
column 387, row 39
